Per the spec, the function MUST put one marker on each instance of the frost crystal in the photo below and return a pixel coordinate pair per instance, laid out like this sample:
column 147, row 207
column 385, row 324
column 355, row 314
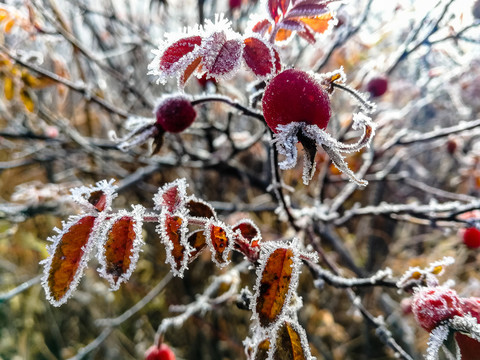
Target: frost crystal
column 436, row 340
column 286, row 139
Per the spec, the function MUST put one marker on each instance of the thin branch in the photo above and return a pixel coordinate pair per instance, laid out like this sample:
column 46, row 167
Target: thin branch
column 20, row 288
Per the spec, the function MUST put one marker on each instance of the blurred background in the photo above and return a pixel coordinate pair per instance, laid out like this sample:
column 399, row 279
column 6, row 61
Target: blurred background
column 74, row 72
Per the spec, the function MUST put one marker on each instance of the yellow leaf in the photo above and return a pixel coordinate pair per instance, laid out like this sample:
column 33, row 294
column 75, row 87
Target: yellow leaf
column 318, row 24
column 27, row 100
column 8, row 25
column 8, row 88
column 3, row 14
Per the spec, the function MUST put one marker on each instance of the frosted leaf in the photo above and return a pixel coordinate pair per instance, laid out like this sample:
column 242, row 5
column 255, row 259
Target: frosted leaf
column 275, row 315
column 466, row 324
column 247, row 229
column 171, row 196
column 199, row 209
column 287, row 137
column 173, row 57
column 97, row 198
column 68, row 256
column 436, row 340
column 219, row 238
column 121, row 244
column 306, row 9
column 221, row 57
column 260, row 57
column 173, row 231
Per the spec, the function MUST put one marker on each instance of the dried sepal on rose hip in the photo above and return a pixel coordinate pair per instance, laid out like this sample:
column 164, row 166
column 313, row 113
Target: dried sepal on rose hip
column 173, row 114
column 296, row 106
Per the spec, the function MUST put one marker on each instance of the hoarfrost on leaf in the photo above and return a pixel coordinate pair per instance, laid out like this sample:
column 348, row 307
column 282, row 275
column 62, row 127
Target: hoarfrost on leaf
column 436, row 340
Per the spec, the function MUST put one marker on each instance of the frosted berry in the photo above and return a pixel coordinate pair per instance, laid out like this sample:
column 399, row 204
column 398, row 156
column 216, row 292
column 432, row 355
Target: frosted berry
column 174, row 114
column 471, row 237
column 471, row 306
column 162, row 352
column 377, row 85
column 295, row 96
column 434, row 305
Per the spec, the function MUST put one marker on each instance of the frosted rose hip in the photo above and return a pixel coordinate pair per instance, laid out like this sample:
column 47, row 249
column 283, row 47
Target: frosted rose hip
column 295, row 96
column 377, row 85
column 175, row 114
column 434, row 305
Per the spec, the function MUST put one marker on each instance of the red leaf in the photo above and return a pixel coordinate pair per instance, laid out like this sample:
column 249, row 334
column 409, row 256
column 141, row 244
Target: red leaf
column 261, row 27
column 273, row 6
column 98, row 199
column 274, row 285
column 278, row 63
column 118, row 249
column 225, row 60
column 258, row 56
column 248, row 230
column 171, row 196
column 469, row 348
column 178, row 50
column 307, row 35
column 199, row 208
column 65, row 267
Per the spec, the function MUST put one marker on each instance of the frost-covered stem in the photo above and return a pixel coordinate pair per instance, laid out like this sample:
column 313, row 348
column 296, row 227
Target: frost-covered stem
column 20, row 288
column 436, row 211
column 277, row 187
column 244, row 109
column 377, row 279
column 369, row 106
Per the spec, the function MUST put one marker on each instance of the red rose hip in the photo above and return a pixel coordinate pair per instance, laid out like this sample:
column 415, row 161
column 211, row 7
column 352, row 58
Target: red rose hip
column 432, row 305
column 162, row 352
column 295, row 96
column 175, row 113
column 377, row 85
column 471, row 237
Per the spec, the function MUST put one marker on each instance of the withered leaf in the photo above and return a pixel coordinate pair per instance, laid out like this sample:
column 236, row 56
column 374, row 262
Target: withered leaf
column 289, row 345
column 274, row 285
column 67, row 258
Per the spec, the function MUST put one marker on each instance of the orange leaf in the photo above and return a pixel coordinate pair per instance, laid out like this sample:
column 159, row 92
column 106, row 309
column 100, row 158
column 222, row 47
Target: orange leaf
column 9, row 25
column 274, row 285
column 119, row 248
column 220, row 243
column 173, row 231
column 289, row 345
column 66, row 263
column 262, row 350
column 319, row 24
column 283, row 34
column 189, row 70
